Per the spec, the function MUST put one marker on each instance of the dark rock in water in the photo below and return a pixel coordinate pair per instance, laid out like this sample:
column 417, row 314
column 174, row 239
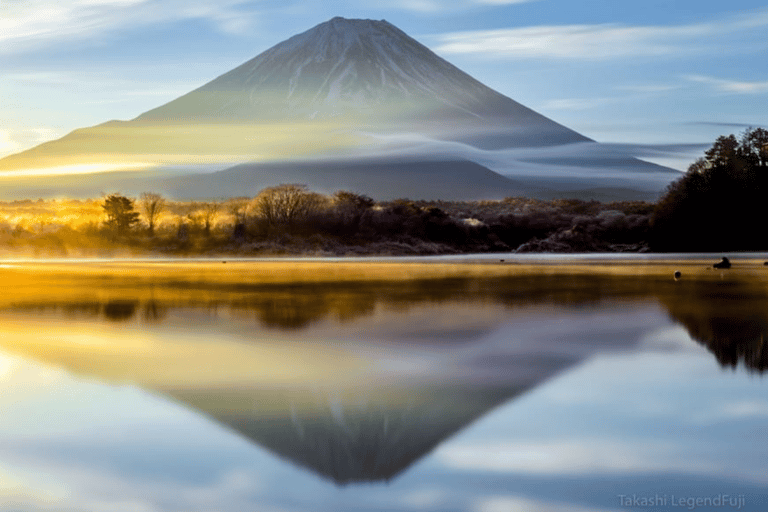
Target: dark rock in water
column 639, row 247
column 567, row 241
column 546, row 245
column 678, row 275
column 724, row 263
column 577, row 239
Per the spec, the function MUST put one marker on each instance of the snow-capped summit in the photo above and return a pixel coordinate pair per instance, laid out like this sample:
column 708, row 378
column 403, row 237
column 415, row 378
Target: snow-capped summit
column 366, row 70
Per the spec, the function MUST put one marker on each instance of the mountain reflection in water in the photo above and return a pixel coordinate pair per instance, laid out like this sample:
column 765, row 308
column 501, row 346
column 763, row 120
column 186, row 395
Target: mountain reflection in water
column 365, row 411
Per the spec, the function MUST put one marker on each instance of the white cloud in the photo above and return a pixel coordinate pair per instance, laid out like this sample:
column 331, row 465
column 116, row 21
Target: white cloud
column 745, row 409
column 39, row 78
column 564, row 42
column 98, row 81
column 600, row 41
column 427, row 6
column 518, row 504
column 419, row 5
column 34, row 23
column 502, row 2
column 648, row 88
column 13, row 141
column 731, row 86
column 54, row 487
column 577, row 103
column 425, row 498
column 630, row 92
column 574, row 457
column 7, row 144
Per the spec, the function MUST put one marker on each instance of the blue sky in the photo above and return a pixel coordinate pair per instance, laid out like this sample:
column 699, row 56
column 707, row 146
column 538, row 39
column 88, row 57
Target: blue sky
column 653, row 72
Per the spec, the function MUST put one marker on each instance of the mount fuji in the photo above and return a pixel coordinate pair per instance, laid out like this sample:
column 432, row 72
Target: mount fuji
column 349, row 104
column 369, row 72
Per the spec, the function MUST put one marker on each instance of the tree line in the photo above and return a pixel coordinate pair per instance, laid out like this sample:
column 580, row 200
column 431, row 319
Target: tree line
column 291, row 219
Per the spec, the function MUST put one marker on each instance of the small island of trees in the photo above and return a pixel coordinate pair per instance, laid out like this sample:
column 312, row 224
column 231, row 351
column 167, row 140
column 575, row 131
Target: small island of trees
column 713, row 207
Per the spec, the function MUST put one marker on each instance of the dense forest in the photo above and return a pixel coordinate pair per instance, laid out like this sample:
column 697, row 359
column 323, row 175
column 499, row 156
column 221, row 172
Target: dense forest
column 713, row 207
column 719, row 204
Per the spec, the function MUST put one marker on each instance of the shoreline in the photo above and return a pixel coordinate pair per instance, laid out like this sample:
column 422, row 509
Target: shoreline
column 317, row 270
column 504, row 257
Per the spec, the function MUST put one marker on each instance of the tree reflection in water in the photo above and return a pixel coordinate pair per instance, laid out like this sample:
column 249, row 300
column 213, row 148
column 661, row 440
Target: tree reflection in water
column 730, row 318
column 117, row 310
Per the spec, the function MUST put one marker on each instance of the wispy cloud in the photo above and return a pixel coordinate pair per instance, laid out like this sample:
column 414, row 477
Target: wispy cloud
column 7, row 144
column 626, row 93
column 427, row 6
column 562, row 42
column 657, row 150
column 731, row 86
column 598, row 42
column 12, row 141
column 502, row 2
column 577, row 103
column 39, row 78
column 78, row 487
column 508, row 503
column 648, row 88
column 727, row 125
column 576, row 457
column 419, row 5
column 34, row 23
column 100, row 84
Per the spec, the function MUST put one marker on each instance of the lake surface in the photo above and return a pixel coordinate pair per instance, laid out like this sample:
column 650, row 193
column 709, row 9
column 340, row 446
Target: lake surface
column 364, row 385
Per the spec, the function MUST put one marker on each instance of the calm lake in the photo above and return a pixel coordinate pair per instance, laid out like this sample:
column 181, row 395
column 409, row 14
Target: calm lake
column 384, row 385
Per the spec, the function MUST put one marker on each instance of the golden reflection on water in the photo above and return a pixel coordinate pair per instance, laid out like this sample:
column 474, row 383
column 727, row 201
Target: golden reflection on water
column 130, row 356
column 84, row 309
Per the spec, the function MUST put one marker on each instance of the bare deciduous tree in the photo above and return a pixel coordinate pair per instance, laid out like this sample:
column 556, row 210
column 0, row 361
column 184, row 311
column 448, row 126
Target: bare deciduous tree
column 350, row 207
column 209, row 211
column 284, row 205
column 204, row 215
column 238, row 208
column 152, row 205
